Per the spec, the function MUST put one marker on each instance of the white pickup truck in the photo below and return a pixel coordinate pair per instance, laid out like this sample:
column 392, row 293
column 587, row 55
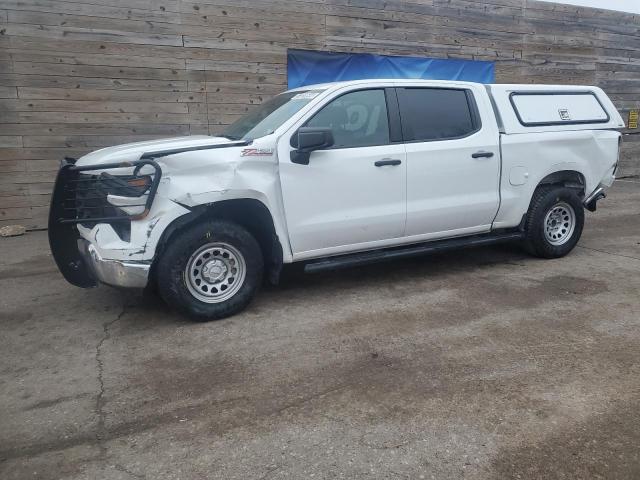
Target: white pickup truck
column 336, row 175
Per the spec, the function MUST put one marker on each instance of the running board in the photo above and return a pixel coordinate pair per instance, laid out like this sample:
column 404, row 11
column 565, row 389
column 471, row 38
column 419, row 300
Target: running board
column 374, row 256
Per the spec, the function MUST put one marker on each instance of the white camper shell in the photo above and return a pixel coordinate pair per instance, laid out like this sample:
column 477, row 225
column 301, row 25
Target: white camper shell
column 546, row 108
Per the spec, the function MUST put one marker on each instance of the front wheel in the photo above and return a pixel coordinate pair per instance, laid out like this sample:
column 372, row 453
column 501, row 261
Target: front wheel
column 554, row 222
column 210, row 271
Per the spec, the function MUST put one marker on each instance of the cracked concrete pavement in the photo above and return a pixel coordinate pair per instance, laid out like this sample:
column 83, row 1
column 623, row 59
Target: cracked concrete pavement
column 479, row 364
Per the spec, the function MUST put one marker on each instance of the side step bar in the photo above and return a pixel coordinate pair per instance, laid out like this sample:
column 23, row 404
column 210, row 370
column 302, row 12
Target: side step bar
column 374, row 256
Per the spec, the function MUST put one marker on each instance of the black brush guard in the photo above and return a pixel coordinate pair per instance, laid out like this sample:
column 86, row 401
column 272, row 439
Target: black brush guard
column 82, row 199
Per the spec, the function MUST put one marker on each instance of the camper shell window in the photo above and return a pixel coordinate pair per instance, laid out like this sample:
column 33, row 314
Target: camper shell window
column 536, row 108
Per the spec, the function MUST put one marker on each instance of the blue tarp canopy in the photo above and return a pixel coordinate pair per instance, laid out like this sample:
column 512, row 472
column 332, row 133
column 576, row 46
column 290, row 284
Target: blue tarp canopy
column 307, row 67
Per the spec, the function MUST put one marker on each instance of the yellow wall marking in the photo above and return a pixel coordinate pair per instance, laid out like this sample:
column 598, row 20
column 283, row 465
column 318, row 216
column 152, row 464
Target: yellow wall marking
column 633, row 119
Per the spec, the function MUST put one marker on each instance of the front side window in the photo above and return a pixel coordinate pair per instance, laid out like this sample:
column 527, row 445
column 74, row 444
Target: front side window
column 270, row 115
column 435, row 114
column 357, row 119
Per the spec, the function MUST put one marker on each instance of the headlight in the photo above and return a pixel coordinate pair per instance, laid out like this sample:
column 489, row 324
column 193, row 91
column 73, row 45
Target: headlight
column 128, row 193
column 126, row 185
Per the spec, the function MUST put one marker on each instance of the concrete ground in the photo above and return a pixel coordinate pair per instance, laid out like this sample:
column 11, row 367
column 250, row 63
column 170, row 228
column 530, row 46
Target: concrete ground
column 475, row 364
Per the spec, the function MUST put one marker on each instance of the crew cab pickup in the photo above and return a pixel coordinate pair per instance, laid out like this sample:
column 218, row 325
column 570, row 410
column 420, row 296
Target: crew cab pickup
column 336, row 175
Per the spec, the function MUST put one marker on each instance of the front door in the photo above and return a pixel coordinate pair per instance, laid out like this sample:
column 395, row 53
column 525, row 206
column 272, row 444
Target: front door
column 351, row 195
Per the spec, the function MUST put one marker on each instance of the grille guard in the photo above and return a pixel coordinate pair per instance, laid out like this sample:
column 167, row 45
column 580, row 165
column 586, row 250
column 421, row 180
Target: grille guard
column 63, row 234
column 68, row 175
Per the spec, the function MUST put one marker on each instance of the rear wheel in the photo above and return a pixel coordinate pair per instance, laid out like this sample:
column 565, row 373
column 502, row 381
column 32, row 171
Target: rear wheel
column 210, row 271
column 554, row 222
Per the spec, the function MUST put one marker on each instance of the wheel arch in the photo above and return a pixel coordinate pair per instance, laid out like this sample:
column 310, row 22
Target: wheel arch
column 560, row 178
column 250, row 213
column 566, row 178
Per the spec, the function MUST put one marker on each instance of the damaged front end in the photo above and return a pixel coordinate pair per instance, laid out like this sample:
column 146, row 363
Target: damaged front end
column 85, row 196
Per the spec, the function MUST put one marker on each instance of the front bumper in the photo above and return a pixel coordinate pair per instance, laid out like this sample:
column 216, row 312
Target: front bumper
column 116, row 273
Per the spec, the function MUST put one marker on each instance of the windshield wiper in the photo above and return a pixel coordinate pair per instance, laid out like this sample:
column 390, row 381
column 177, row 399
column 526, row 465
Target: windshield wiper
column 230, row 137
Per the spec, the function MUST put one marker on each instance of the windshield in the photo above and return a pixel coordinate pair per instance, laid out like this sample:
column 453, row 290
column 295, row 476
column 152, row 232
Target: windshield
column 270, row 115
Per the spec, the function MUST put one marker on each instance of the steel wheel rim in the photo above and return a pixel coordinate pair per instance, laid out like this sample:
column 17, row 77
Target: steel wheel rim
column 215, row 272
column 559, row 223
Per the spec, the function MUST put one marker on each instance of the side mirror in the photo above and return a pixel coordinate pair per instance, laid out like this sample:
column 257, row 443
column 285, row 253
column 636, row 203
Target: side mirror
column 308, row 139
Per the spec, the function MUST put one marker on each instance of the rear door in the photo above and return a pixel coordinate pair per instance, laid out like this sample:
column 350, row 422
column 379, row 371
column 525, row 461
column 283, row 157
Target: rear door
column 453, row 161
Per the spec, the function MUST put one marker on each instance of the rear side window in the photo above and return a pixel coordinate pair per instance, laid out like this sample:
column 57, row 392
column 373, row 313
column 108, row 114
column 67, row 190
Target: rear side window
column 436, row 114
column 357, row 119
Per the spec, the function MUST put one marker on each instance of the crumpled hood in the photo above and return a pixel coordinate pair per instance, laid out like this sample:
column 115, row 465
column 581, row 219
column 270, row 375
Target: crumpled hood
column 133, row 151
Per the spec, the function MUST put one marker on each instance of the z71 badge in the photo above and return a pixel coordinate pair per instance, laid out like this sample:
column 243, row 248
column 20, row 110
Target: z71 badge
column 257, row 152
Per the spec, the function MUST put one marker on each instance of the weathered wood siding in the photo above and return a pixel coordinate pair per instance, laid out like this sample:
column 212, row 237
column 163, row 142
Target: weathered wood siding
column 78, row 75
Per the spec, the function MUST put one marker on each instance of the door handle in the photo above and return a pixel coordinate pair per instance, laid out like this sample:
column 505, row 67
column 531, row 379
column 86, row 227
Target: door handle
column 387, row 161
column 482, row 155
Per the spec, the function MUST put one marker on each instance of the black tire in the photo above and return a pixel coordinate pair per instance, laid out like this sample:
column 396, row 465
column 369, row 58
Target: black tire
column 173, row 279
column 564, row 232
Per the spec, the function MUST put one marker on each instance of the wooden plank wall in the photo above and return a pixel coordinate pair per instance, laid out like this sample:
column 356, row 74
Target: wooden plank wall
column 77, row 75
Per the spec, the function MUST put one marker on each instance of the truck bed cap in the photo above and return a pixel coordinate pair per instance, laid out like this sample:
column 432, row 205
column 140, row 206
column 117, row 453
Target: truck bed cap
column 543, row 108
